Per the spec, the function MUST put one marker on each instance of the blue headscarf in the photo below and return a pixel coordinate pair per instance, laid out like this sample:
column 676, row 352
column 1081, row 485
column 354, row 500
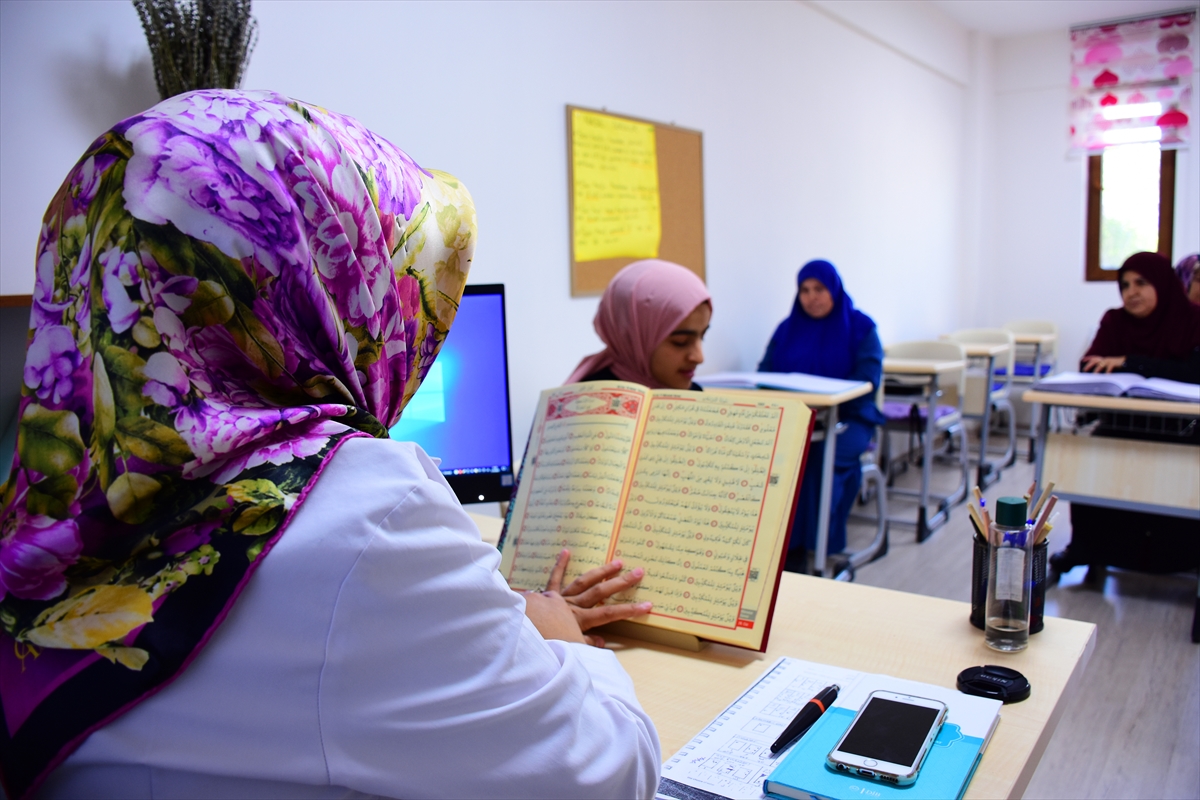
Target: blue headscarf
column 827, row 346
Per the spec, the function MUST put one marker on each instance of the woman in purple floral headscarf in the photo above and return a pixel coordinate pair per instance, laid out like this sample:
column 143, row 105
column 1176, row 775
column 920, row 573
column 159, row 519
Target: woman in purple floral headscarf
column 230, row 287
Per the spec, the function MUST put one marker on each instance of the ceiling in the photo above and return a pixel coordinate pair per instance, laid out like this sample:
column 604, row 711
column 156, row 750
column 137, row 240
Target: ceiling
column 1001, row 18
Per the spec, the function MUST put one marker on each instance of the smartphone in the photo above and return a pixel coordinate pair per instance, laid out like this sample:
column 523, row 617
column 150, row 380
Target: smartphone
column 889, row 737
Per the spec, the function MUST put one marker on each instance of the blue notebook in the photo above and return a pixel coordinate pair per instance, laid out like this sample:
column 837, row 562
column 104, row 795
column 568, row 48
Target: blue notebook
column 944, row 775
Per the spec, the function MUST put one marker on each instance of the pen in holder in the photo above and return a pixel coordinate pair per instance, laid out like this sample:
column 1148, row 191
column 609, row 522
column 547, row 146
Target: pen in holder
column 979, row 582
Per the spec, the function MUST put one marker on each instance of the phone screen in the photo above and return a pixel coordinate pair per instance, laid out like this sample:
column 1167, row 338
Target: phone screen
column 889, row 731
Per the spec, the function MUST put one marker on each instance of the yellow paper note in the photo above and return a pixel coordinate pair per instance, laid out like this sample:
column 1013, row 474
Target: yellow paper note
column 615, row 169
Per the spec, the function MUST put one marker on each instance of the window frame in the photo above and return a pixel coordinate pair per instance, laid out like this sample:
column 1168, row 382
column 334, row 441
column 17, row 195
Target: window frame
column 1166, row 213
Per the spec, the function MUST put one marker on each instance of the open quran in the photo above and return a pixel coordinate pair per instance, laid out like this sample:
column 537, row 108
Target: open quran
column 697, row 489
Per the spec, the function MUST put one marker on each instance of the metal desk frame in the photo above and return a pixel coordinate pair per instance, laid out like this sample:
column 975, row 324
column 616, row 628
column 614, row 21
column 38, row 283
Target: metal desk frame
column 930, row 370
column 826, row 405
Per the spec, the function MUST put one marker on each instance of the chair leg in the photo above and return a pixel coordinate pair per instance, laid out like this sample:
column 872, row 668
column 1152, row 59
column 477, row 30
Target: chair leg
column 1006, row 407
column 878, row 546
column 960, row 492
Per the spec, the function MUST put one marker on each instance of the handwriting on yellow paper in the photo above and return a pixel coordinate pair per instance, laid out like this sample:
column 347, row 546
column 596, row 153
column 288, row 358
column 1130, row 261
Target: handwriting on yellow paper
column 615, row 171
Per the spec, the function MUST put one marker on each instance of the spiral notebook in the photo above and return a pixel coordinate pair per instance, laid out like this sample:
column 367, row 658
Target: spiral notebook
column 731, row 759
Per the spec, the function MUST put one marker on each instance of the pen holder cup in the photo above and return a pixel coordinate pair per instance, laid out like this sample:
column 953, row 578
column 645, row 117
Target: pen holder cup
column 979, row 581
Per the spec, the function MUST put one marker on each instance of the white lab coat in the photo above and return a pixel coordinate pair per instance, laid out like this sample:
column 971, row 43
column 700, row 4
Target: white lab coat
column 377, row 650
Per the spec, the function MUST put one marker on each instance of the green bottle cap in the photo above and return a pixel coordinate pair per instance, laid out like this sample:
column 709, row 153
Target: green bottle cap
column 1010, row 512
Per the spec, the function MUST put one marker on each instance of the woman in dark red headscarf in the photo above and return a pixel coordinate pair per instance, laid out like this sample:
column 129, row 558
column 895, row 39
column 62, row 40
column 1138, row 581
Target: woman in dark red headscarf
column 1156, row 332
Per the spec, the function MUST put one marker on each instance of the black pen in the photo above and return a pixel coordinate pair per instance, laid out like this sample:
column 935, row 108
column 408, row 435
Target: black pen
column 811, row 712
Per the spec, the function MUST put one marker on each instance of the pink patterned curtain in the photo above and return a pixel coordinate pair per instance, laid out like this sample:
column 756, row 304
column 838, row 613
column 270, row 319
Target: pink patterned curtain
column 1132, row 82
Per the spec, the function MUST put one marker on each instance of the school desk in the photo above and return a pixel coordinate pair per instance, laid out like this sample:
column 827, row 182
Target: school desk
column 979, row 402
column 874, row 630
column 827, row 406
column 1132, row 474
column 1043, row 346
column 1157, row 477
column 928, row 371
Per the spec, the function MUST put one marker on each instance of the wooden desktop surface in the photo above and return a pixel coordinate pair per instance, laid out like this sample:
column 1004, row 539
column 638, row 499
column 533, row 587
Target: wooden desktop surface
column 1034, row 338
column 813, row 399
column 1103, row 402
column 872, row 630
column 982, row 350
column 1117, row 469
column 919, row 366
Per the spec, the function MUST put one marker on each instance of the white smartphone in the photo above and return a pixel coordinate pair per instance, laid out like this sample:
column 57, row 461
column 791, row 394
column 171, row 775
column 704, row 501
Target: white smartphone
column 889, row 737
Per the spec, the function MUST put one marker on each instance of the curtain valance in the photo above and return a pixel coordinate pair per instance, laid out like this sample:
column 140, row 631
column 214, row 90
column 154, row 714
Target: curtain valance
column 1131, row 82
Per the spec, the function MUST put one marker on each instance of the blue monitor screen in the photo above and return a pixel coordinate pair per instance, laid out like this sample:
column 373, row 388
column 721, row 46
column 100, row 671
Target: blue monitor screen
column 460, row 413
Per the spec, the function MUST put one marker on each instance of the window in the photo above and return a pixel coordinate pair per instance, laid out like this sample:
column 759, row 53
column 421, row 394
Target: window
column 1131, row 206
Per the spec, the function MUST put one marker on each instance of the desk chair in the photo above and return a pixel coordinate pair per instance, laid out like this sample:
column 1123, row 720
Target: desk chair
column 906, row 407
column 1034, row 362
column 873, row 485
column 990, row 389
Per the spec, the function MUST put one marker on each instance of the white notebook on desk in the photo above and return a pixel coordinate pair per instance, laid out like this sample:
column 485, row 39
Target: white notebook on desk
column 1118, row 384
column 786, row 381
column 731, row 757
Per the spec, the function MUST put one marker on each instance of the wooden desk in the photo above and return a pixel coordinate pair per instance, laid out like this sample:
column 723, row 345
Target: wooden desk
column 982, row 400
column 1157, row 477
column 828, row 404
column 1038, row 339
column 920, row 366
column 1043, row 345
column 872, row 630
column 925, row 371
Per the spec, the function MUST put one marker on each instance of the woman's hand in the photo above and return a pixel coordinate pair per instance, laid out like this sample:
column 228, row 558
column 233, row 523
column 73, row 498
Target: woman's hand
column 586, row 594
column 553, row 618
column 1102, row 363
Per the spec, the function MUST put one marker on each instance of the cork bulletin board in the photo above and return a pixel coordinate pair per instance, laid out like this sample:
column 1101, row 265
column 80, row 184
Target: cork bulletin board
column 635, row 190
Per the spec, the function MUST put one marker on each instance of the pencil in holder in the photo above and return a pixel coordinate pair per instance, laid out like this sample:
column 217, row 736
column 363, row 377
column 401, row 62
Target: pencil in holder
column 979, row 581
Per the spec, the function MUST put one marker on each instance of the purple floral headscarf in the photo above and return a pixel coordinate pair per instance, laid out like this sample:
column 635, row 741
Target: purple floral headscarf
column 229, row 285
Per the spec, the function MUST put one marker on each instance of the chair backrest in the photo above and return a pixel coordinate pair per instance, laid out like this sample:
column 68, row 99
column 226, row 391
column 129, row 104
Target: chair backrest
column 1050, row 353
column 1031, row 326
column 990, row 336
column 952, row 383
column 979, row 385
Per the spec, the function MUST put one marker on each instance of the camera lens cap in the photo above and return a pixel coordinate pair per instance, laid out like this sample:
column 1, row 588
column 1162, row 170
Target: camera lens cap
column 1000, row 683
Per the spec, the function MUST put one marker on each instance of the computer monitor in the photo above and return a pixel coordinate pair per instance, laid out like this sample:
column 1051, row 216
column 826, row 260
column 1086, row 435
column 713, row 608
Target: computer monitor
column 460, row 414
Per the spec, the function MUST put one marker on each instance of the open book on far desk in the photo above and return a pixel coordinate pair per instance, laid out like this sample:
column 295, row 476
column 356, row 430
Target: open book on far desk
column 787, row 381
column 697, row 489
column 1118, row 384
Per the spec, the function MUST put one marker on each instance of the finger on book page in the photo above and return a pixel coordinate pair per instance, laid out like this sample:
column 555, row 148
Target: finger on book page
column 590, row 578
column 589, row 618
column 606, row 589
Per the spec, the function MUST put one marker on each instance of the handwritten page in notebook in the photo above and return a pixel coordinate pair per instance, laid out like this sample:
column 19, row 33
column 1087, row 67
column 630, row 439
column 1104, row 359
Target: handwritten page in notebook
column 710, row 481
column 581, row 459
column 731, row 757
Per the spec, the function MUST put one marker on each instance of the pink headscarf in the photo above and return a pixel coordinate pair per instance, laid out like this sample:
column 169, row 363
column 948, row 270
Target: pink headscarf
column 643, row 303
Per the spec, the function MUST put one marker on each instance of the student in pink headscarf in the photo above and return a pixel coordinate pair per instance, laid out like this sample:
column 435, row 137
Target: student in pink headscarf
column 652, row 317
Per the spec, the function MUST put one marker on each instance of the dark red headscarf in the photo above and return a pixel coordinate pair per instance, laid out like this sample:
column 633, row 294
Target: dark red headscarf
column 1171, row 331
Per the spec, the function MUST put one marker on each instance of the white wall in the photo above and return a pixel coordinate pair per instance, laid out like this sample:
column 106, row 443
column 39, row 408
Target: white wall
column 1035, row 270
column 820, row 139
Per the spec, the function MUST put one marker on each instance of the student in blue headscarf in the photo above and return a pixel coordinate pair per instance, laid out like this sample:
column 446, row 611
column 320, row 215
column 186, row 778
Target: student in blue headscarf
column 826, row 335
